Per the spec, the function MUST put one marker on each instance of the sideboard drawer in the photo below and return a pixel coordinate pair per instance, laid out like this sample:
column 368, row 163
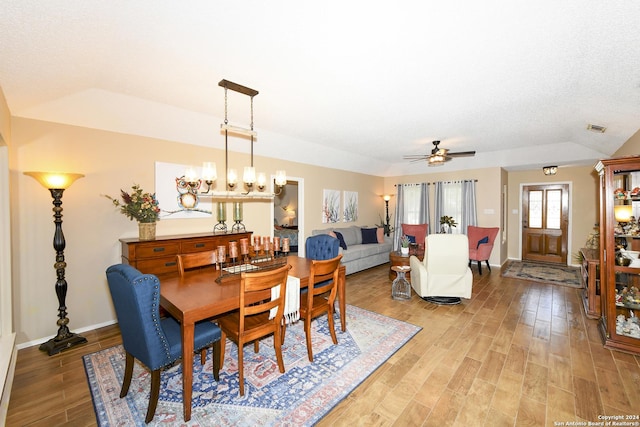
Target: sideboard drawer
column 158, row 265
column 159, row 249
column 198, row 245
column 160, row 256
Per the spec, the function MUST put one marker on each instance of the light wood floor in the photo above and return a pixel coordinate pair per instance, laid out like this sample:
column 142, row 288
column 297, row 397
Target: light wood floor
column 517, row 354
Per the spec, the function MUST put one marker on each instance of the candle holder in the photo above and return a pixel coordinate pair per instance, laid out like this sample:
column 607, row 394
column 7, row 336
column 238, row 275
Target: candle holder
column 222, row 255
column 244, row 249
column 221, row 226
column 237, row 217
column 233, row 251
column 276, row 246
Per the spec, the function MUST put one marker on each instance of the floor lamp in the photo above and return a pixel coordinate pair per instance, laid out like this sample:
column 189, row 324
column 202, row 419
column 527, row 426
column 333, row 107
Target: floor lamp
column 56, row 183
column 387, row 225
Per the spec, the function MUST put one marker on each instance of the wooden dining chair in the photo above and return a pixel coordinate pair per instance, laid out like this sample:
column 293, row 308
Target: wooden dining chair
column 196, row 260
column 323, row 279
column 254, row 320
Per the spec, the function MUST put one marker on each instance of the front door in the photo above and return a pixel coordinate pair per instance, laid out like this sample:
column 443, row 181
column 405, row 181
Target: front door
column 545, row 218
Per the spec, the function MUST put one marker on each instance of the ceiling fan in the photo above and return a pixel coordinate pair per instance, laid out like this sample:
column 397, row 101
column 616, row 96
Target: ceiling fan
column 438, row 155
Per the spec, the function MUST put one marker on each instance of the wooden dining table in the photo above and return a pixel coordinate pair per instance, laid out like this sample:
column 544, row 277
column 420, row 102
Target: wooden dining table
column 197, row 296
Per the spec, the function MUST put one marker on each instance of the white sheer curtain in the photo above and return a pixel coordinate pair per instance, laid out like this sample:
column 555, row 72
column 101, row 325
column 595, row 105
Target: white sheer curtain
column 412, row 207
column 457, row 200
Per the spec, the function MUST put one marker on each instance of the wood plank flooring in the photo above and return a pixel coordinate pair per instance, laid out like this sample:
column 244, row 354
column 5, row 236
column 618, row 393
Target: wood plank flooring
column 517, row 354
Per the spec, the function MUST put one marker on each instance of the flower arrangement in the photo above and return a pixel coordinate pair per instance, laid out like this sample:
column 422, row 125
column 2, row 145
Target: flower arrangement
column 138, row 205
column 404, row 241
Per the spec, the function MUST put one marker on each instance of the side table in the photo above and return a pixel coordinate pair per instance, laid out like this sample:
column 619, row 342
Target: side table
column 400, row 288
column 397, row 259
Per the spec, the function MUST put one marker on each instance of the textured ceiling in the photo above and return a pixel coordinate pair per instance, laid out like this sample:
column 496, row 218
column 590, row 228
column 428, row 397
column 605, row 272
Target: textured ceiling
column 354, row 85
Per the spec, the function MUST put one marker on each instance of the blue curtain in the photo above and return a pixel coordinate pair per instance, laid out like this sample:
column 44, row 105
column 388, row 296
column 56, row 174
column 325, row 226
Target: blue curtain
column 424, row 205
column 439, row 208
column 397, row 224
column 469, row 211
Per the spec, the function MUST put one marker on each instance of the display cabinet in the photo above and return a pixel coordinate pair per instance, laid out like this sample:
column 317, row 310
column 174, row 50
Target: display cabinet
column 590, row 273
column 619, row 264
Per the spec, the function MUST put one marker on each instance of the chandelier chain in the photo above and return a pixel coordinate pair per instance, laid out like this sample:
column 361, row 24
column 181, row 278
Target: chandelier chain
column 226, row 121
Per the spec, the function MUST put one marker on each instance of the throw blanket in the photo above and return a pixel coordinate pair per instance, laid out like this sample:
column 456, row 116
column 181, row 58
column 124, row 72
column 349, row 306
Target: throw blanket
column 291, row 300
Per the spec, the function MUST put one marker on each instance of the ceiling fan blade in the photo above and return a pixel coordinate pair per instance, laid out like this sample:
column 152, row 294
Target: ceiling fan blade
column 416, row 156
column 462, row 154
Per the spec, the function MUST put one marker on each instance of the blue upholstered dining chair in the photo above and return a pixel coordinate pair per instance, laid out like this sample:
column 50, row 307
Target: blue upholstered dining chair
column 322, row 247
column 154, row 341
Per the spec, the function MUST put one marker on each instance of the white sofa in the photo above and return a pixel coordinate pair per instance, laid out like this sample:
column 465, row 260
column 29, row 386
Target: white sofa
column 359, row 256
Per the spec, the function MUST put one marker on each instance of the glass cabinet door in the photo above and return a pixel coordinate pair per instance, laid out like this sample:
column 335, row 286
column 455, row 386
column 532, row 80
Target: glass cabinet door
column 620, row 253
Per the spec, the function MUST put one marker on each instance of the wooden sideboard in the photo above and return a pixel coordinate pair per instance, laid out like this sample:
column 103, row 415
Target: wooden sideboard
column 159, row 256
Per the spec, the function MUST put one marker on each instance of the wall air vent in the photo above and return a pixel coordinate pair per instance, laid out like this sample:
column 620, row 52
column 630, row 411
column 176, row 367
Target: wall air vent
column 596, row 128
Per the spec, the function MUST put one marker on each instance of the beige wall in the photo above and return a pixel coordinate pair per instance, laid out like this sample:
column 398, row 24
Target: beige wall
column 631, row 147
column 488, row 198
column 112, row 161
column 92, row 226
column 583, row 204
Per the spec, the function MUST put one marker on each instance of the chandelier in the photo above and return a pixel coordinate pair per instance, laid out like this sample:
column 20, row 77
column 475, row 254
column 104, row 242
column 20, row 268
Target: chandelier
column 255, row 184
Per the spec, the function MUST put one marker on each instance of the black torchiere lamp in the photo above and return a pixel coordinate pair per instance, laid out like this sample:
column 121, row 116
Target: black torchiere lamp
column 56, row 183
column 387, row 225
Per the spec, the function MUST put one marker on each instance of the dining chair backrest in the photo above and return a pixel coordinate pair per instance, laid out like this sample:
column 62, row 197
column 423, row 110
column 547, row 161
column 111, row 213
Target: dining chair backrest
column 136, row 298
column 195, row 260
column 321, row 247
column 324, row 278
column 255, row 298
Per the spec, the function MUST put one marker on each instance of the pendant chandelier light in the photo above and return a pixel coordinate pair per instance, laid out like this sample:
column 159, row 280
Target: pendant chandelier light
column 254, row 183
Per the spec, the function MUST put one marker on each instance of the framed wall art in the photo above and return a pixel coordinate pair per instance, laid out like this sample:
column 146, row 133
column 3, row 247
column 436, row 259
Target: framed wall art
column 330, row 206
column 350, row 212
column 175, row 197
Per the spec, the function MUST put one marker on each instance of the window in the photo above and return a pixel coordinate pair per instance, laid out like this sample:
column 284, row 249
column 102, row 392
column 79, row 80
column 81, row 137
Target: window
column 411, row 205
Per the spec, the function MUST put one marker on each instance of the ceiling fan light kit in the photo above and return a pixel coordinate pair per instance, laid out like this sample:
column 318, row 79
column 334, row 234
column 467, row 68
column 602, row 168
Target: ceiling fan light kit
column 438, row 155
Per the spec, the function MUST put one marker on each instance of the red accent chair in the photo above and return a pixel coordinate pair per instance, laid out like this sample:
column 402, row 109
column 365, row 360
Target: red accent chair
column 419, row 231
column 481, row 244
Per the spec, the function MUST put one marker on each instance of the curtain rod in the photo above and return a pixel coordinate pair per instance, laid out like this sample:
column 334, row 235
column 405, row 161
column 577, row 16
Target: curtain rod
column 455, row 182
column 419, row 183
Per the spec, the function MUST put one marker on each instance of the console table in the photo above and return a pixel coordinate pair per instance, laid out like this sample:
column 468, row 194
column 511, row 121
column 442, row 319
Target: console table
column 159, row 256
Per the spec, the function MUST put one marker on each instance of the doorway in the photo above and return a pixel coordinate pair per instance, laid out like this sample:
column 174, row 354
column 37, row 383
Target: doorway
column 545, row 223
column 287, row 213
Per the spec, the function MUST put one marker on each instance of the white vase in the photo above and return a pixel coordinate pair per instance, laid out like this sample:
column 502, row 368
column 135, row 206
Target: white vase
column 404, row 251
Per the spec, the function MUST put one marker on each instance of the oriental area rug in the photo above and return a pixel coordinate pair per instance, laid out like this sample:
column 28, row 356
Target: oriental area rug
column 554, row 274
column 300, row 397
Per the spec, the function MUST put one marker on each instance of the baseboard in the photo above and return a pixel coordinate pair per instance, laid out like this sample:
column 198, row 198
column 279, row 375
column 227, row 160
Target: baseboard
column 9, row 354
column 78, row 331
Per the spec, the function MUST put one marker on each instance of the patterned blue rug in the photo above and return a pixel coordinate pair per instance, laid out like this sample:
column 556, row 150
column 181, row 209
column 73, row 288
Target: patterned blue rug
column 300, row 397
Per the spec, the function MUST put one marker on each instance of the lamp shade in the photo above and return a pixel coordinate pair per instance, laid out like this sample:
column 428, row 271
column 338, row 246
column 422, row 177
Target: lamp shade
column 55, row 180
column 622, row 213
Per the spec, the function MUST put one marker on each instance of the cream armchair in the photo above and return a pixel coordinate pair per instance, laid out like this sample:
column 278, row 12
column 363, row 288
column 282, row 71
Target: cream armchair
column 444, row 276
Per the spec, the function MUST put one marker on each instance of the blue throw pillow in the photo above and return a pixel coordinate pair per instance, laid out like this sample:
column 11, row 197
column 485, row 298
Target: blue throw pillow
column 369, row 235
column 483, row 240
column 412, row 239
column 343, row 245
